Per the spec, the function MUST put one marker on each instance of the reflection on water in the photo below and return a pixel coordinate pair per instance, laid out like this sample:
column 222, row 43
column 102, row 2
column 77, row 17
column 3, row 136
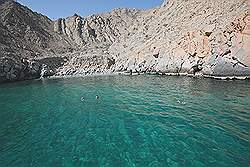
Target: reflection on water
column 137, row 121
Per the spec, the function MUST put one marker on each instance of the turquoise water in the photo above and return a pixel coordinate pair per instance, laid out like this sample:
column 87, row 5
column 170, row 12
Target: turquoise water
column 137, row 121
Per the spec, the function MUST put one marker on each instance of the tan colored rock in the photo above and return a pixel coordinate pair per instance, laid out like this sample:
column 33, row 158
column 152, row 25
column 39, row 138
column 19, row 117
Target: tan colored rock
column 178, row 37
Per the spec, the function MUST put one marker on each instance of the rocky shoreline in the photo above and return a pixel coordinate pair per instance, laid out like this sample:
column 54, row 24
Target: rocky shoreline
column 196, row 37
column 199, row 76
column 37, row 69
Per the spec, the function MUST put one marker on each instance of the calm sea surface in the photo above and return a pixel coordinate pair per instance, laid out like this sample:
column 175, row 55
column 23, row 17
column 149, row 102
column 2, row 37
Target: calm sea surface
column 137, row 121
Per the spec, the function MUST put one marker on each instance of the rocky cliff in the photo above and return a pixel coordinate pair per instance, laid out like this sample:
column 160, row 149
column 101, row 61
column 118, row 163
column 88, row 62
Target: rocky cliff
column 210, row 37
column 192, row 37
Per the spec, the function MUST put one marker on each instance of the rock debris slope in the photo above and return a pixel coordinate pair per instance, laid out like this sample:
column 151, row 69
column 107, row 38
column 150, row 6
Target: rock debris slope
column 181, row 36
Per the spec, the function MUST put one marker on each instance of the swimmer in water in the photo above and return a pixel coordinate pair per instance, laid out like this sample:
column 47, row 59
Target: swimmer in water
column 82, row 98
column 97, row 97
column 181, row 102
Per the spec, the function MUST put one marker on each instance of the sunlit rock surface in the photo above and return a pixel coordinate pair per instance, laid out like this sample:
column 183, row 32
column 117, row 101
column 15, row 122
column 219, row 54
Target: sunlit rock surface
column 192, row 37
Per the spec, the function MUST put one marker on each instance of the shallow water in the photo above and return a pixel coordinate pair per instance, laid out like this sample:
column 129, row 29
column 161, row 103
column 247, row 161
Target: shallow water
column 138, row 121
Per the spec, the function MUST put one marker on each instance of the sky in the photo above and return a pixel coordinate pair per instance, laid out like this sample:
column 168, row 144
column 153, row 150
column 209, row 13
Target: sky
column 55, row 9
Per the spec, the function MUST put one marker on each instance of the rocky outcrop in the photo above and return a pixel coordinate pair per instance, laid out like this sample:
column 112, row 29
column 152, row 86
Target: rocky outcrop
column 202, row 37
column 25, row 38
column 96, row 29
column 18, row 69
column 182, row 35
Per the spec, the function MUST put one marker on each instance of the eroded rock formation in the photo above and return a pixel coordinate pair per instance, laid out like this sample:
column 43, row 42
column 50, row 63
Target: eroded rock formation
column 195, row 36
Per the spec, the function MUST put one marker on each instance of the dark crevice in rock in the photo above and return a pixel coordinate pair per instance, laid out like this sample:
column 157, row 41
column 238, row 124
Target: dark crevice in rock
column 226, row 53
column 208, row 34
column 197, row 67
column 156, row 55
column 111, row 61
column 238, row 62
column 193, row 55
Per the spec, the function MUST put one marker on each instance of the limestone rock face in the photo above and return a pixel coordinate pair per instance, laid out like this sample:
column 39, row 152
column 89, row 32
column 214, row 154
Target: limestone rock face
column 195, row 36
column 165, row 2
column 26, row 35
column 184, row 34
column 96, row 29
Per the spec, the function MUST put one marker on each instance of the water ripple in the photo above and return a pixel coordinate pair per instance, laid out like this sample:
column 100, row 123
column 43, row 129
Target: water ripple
column 138, row 121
